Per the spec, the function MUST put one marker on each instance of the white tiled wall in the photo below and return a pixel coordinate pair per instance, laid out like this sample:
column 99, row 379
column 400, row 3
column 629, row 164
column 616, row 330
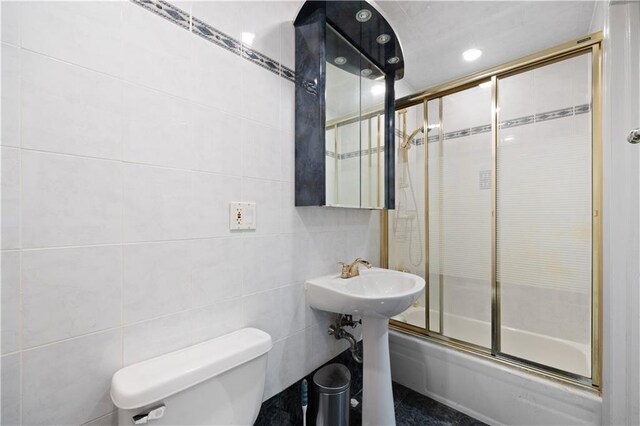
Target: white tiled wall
column 124, row 138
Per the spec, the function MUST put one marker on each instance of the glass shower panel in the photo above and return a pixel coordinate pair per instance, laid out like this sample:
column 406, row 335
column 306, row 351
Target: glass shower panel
column 348, row 171
column 461, row 222
column 434, row 143
column 544, row 214
column 406, row 222
column 331, row 164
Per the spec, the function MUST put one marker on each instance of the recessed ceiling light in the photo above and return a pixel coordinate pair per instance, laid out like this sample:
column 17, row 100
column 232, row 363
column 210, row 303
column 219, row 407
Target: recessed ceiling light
column 383, row 38
column 471, row 54
column 393, row 60
column 485, row 85
column 363, row 15
column 378, row 89
column 247, row 38
column 366, row 72
column 340, row 60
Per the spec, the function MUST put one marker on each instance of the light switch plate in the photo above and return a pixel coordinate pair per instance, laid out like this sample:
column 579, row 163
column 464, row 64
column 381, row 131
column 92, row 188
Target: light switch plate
column 242, row 216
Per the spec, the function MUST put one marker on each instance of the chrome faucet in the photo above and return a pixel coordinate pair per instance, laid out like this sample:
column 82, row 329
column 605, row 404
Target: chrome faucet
column 351, row 270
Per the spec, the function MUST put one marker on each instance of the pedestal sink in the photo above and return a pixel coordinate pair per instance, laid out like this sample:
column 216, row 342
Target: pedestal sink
column 375, row 296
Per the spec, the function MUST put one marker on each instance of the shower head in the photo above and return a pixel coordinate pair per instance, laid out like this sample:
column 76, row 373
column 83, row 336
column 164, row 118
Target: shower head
column 406, row 144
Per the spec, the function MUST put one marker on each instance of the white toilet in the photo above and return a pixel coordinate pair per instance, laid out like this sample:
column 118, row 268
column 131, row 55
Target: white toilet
column 218, row 382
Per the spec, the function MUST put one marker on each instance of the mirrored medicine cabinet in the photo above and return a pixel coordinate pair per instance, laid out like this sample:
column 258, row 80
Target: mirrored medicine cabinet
column 347, row 61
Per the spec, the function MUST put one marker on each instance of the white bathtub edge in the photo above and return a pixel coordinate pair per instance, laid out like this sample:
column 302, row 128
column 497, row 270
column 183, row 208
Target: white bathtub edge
column 491, row 392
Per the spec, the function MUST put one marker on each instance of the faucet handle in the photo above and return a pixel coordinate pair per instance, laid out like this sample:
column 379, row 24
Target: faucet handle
column 345, row 270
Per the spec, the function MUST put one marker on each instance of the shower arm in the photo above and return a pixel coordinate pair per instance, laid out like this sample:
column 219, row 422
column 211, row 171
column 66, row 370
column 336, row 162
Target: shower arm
column 406, row 144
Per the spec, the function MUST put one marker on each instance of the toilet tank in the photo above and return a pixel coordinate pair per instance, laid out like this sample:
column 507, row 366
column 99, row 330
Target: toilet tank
column 217, row 382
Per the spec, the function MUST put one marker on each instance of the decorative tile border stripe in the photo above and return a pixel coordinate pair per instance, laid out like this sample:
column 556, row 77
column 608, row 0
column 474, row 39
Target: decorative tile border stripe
column 520, row 121
column 353, row 154
column 215, row 36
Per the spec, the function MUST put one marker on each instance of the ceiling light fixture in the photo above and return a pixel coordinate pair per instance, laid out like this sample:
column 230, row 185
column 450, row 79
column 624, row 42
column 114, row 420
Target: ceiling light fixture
column 340, row 60
column 378, row 89
column 471, row 54
column 366, row 72
column 383, row 38
column 363, row 15
column 247, row 38
column 393, row 60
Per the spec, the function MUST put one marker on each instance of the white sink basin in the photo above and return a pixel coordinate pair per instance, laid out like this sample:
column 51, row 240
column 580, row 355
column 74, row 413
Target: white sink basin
column 375, row 292
column 375, row 295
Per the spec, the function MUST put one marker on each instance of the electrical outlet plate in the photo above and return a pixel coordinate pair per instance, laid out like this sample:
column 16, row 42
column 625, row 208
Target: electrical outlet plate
column 242, row 216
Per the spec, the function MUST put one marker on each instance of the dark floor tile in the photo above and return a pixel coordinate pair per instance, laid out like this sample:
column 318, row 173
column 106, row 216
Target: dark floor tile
column 417, row 409
column 399, row 392
column 411, row 408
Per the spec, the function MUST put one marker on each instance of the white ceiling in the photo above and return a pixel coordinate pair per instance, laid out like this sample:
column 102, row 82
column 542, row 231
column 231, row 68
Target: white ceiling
column 435, row 33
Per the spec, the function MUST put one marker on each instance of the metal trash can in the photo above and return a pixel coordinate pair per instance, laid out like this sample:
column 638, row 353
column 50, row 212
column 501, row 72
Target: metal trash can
column 333, row 382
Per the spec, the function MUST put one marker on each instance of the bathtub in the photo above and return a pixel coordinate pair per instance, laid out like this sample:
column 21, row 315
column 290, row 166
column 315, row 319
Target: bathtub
column 490, row 391
column 558, row 353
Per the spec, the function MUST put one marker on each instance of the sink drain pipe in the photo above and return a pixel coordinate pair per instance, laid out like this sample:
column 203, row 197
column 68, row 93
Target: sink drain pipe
column 337, row 330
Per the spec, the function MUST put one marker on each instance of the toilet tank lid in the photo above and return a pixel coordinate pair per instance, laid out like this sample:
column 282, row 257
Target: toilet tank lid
column 152, row 380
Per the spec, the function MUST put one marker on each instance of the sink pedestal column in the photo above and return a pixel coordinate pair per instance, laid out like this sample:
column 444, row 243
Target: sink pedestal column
column 377, row 401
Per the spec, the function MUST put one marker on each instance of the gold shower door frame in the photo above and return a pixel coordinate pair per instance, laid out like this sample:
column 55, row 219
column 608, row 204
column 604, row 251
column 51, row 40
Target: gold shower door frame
column 588, row 44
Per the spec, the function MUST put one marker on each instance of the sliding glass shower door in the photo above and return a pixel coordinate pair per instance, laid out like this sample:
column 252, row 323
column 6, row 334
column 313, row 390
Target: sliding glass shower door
column 511, row 194
column 544, row 214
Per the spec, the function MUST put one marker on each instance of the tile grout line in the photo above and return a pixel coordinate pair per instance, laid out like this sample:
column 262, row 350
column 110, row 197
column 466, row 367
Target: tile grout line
column 154, row 165
column 245, row 236
column 156, row 90
column 21, row 245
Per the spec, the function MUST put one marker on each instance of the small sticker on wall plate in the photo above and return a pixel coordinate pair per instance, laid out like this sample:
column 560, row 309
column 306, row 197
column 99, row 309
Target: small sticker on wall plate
column 242, row 216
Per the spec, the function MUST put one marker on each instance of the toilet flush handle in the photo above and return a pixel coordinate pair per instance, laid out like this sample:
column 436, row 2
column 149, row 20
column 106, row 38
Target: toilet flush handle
column 153, row 414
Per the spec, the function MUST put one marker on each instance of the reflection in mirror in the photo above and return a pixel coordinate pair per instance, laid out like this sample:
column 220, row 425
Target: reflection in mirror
column 354, row 139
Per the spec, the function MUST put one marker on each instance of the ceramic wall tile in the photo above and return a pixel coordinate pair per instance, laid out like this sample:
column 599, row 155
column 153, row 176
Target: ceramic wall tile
column 69, row 109
column 217, row 270
column 156, row 337
column 212, row 194
column 70, row 200
column 70, row 292
column 156, row 53
column 288, row 360
column 158, row 129
column 261, row 151
column 85, row 34
column 158, row 203
column 11, row 22
column 11, row 198
column 10, row 340
column 213, row 85
column 267, row 194
column 81, row 367
column 156, row 279
column 10, row 400
column 10, row 88
column 218, row 139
